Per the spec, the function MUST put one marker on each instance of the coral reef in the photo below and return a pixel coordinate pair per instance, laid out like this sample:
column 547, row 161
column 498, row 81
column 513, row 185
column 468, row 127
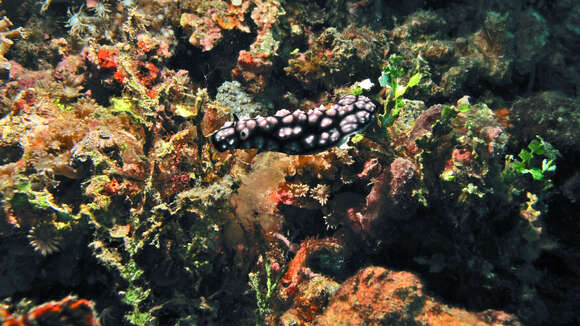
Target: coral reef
column 255, row 65
column 68, row 311
column 231, row 95
column 7, row 34
column 375, row 296
column 326, row 256
column 207, row 20
column 551, row 115
column 118, row 183
column 337, row 58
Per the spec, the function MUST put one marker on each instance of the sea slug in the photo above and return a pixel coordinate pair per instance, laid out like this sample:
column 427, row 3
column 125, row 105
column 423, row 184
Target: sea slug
column 298, row 132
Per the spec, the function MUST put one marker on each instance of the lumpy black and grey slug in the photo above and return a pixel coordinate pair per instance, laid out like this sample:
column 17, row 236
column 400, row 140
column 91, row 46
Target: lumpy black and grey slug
column 298, row 132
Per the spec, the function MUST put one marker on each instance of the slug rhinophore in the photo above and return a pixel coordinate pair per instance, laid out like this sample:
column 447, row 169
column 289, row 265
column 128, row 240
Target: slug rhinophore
column 298, row 132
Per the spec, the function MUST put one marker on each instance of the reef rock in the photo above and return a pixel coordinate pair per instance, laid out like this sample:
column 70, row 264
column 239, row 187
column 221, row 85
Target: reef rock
column 378, row 296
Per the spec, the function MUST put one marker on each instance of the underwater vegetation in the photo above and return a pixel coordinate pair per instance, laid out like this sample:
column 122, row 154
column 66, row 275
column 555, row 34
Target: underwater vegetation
column 264, row 162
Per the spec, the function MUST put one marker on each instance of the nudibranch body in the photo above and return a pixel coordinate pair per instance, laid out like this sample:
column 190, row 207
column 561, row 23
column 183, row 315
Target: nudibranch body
column 298, row 132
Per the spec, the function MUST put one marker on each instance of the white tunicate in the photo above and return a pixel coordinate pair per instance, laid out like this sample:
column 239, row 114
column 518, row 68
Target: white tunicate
column 360, row 104
column 224, row 133
column 251, row 124
column 300, row 115
column 297, row 113
column 297, row 130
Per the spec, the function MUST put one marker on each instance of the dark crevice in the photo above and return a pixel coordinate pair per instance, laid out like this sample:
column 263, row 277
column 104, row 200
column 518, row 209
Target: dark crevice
column 211, row 68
